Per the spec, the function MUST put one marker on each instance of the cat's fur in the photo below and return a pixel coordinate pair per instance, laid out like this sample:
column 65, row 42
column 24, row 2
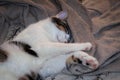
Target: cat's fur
column 36, row 50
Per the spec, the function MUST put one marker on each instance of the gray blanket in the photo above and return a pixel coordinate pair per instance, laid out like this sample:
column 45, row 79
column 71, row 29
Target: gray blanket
column 96, row 21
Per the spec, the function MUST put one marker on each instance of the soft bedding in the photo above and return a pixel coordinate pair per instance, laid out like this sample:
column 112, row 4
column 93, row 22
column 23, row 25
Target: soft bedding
column 96, row 21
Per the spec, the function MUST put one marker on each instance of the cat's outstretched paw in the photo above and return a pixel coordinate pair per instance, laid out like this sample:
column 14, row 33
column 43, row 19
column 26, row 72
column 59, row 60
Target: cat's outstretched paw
column 87, row 46
column 81, row 57
column 62, row 37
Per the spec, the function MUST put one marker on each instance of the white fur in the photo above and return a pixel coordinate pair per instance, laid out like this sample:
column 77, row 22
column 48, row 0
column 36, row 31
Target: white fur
column 47, row 40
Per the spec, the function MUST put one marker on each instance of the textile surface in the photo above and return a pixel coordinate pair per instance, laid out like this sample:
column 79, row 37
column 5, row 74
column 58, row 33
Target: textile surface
column 95, row 21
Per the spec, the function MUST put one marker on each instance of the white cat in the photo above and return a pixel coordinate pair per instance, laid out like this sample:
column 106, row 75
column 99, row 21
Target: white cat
column 38, row 47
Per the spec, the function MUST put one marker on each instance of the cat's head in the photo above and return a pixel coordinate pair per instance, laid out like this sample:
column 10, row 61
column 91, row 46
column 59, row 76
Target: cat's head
column 59, row 19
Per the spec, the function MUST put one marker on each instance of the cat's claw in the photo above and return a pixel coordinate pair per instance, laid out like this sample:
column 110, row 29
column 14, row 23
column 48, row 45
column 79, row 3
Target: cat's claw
column 81, row 57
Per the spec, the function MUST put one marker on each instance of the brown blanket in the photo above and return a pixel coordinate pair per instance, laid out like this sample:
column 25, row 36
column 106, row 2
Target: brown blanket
column 96, row 21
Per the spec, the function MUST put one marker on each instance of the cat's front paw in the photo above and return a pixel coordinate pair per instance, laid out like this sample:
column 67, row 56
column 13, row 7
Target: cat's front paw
column 62, row 37
column 87, row 46
column 83, row 58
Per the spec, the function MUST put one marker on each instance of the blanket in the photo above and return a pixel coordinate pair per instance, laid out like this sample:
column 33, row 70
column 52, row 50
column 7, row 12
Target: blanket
column 95, row 21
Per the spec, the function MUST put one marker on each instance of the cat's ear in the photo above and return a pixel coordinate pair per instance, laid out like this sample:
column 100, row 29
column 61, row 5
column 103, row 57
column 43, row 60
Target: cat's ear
column 62, row 15
column 59, row 18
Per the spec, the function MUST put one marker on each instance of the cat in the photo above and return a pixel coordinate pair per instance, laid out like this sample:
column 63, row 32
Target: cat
column 35, row 50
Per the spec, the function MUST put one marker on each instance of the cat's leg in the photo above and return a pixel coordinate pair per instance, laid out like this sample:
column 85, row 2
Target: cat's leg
column 56, row 64
column 81, row 57
column 53, row 66
column 53, row 49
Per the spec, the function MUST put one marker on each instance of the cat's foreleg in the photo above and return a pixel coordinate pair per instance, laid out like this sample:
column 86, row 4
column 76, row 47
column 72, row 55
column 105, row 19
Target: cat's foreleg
column 53, row 49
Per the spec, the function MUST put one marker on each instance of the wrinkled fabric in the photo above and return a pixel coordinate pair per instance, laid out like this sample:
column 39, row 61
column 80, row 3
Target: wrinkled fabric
column 95, row 21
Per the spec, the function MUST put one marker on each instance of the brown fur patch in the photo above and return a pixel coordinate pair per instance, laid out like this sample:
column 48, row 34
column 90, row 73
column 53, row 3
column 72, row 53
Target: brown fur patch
column 23, row 78
column 59, row 23
column 3, row 55
column 25, row 47
column 31, row 76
